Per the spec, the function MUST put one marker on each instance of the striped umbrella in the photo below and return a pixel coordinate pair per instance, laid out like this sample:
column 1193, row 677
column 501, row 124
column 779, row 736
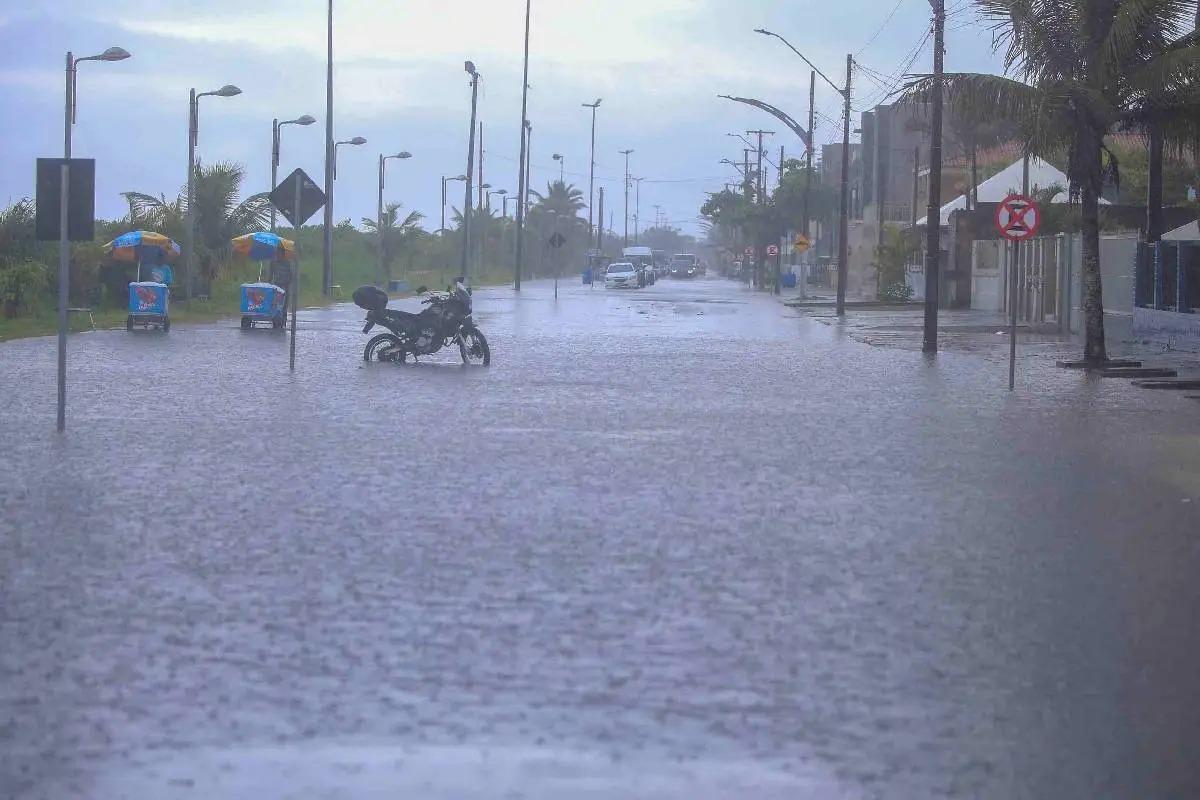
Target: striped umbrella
column 264, row 246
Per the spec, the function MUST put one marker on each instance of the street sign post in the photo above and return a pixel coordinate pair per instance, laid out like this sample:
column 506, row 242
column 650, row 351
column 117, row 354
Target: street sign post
column 556, row 241
column 297, row 197
column 772, row 250
column 1018, row 219
column 65, row 213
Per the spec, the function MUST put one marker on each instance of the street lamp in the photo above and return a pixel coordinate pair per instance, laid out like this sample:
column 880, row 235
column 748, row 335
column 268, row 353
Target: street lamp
column 446, row 180
column 379, row 219
column 592, row 173
column 626, row 154
column 64, row 237
column 562, row 168
column 501, row 192
column 228, row 90
column 275, row 151
column 844, row 210
column 466, row 250
column 356, row 141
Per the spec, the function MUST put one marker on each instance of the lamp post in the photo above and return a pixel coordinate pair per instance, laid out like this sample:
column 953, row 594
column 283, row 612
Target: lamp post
column 64, row 236
column 276, row 125
column 626, row 154
column 502, row 192
column 356, row 141
column 592, row 173
column 446, row 180
column 379, row 219
column 330, row 158
column 466, row 250
column 844, row 210
column 562, row 168
column 189, row 228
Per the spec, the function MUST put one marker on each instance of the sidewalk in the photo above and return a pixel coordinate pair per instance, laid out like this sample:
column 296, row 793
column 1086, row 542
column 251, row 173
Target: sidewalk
column 981, row 333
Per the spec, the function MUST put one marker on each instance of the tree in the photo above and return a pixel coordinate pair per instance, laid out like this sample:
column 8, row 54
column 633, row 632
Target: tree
column 23, row 272
column 1080, row 69
column 218, row 215
column 560, row 197
column 397, row 233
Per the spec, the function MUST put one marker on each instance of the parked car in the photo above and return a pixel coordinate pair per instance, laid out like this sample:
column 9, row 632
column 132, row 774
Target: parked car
column 643, row 259
column 622, row 275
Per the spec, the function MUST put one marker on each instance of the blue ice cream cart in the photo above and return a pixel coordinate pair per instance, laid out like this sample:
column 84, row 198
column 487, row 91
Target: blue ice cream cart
column 263, row 302
column 149, row 305
column 149, row 301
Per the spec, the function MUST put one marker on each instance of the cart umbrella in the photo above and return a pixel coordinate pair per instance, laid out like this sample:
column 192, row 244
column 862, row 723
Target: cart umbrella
column 142, row 247
column 263, row 246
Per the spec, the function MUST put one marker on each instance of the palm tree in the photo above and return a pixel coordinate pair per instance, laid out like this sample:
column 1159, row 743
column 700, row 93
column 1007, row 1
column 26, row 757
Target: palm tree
column 560, row 197
column 219, row 216
column 1079, row 71
column 397, row 233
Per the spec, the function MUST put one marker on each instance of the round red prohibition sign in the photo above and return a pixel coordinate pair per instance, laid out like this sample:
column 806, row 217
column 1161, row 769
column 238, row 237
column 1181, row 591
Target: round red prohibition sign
column 1018, row 218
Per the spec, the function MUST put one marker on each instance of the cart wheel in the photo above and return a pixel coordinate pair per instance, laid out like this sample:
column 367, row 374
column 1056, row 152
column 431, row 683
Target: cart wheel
column 246, row 324
column 166, row 326
column 129, row 323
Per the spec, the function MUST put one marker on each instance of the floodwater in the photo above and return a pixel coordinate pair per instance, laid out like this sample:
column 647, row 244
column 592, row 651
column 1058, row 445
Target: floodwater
column 674, row 543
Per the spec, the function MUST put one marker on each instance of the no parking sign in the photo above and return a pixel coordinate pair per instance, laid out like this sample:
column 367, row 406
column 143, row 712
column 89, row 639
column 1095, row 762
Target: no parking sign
column 1018, row 218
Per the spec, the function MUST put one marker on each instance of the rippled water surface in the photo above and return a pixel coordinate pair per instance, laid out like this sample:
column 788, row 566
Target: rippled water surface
column 675, row 543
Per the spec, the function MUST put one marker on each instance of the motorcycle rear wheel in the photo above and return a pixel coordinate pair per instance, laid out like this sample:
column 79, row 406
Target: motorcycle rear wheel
column 473, row 348
column 375, row 349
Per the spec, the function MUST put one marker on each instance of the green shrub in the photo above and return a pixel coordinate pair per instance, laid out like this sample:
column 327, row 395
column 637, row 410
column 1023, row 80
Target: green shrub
column 20, row 283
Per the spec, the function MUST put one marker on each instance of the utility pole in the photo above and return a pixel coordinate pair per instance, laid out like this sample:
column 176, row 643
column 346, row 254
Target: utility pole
column 933, row 221
column 468, row 201
column 592, row 173
column 916, row 184
column 521, row 185
column 600, row 219
column 844, row 214
column 759, row 250
column 808, row 166
column 637, row 211
column 626, row 154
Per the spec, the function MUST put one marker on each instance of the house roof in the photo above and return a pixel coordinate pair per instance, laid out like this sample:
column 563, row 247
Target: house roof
column 1042, row 175
column 1184, row 233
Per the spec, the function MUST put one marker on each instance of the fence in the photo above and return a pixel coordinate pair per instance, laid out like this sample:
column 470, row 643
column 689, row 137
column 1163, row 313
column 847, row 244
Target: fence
column 1048, row 278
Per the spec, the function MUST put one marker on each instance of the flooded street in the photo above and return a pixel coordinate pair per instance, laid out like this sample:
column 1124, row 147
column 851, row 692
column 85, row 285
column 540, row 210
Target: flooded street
column 680, row 542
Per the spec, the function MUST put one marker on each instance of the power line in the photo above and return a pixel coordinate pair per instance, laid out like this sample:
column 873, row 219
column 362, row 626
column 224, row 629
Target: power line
column 886, row 20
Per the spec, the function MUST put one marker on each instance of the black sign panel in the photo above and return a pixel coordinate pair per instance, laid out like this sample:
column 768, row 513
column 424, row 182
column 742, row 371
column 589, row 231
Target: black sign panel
column 283, row 197
column 557, row 240
column 81, row 203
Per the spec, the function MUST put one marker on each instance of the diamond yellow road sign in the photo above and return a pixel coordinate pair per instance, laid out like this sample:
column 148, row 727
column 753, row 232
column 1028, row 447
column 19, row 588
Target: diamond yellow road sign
column 801, row 243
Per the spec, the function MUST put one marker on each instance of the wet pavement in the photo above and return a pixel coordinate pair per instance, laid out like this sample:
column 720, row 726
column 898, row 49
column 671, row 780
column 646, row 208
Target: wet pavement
column 674, row 543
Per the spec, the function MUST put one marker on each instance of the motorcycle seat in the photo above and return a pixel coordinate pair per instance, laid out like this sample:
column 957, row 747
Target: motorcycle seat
column 396, row 317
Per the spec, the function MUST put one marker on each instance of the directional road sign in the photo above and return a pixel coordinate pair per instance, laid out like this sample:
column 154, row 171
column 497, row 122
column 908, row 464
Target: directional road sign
column 801, row 243
column 1018, row 218
column 297, row 197
column 557, row 240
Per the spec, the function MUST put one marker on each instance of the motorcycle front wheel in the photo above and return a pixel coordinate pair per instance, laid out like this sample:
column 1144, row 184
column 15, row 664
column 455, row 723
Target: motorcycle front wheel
column 384, row 347
column 473, row 348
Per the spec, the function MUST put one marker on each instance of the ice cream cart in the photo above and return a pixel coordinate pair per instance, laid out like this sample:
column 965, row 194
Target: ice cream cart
column 149, row 301
column 265, row 302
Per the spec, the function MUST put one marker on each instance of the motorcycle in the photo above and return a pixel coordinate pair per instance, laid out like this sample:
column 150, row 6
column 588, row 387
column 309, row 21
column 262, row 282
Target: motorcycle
column 446, row 321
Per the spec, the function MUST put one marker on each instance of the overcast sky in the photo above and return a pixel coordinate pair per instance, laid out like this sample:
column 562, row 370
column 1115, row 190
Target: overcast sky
column 658, row 64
